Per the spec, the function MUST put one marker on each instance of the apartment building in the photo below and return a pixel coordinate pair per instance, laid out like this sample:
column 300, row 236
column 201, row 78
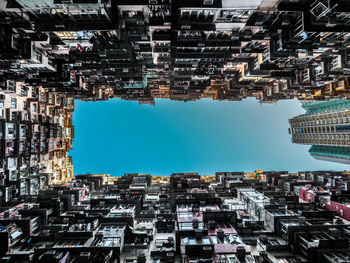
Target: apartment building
column 299, row 217
column 36, row 135
column 142, row 50
column 325, row 126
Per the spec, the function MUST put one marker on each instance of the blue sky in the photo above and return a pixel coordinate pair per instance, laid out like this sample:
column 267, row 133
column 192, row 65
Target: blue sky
column 205, row 136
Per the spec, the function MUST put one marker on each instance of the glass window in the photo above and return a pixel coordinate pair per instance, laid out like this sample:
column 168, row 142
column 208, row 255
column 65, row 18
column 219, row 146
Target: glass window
column 24, row 90
column 206, row 241
column 2, row 99
column 214, row 239
column 13, row 103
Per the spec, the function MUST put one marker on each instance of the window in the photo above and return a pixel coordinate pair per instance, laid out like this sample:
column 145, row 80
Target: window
column 42, row 96
column 24, row 91
column 13, row 115
column 2, row 99
column 11, row 86
column 13, row 175
column 13, row 103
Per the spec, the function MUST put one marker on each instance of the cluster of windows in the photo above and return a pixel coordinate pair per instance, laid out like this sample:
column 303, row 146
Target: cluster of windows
column 324, row 136
column 338, row 152
column 338, row 117
column 326, row 106
column 208, row 240
column 322, row 129
column 194, row 241
column 189, row 226
column 322, row 139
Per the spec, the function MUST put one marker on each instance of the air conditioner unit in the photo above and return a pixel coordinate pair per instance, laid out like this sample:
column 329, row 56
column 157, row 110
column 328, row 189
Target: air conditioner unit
column 332, row 21
column 319, row 9
column 285, row 22
column 208, row 2
column 60, row 27
column 14, row 41
column 102, row 54
column 319, row 70
column 279, row 45
column 256, row 63
column 306, row 75
column 336, row 62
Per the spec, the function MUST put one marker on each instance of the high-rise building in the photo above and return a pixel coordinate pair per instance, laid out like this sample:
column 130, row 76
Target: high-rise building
column 336, row 154
column 326, row 126
column 324, row 123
